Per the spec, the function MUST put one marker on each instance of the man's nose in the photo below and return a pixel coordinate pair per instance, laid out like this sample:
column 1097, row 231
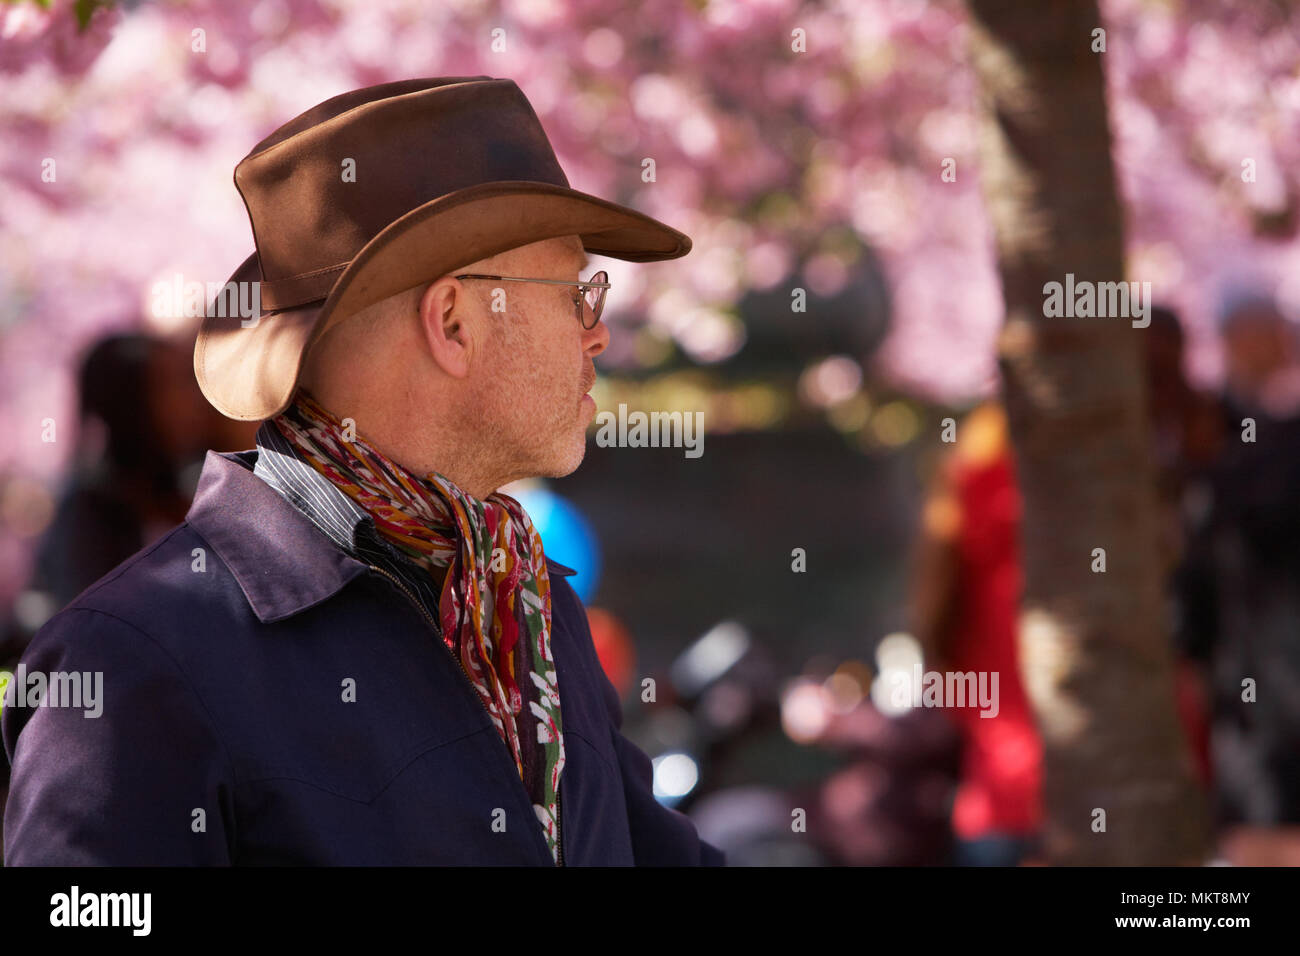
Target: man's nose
column 595, row 340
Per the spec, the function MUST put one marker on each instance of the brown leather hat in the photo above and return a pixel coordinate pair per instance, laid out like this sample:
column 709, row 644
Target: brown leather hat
column 378, row 190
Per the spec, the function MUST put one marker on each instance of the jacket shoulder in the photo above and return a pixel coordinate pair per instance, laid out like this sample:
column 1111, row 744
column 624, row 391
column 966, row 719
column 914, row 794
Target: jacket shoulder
column 94, row 779
column 177, row 580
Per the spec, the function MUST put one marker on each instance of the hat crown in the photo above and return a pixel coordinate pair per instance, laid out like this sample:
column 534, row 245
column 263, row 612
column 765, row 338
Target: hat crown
column 324, row 184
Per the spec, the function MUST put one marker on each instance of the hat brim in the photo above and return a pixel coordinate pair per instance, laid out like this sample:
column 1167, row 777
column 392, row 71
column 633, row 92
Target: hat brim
column 249, row 373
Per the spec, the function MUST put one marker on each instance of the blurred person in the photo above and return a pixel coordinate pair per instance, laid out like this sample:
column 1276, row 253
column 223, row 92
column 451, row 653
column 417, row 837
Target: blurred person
column 446, row 704
column 1188, row 433
column 965, row 599
column 891, row 804
column 138, row 417
column 1240, row 587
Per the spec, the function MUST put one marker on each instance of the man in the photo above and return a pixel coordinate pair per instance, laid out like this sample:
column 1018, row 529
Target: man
column 1240, row 587
column 274, row 691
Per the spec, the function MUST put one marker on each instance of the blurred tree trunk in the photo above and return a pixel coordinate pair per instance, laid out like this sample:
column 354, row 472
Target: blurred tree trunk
column 1096, row 655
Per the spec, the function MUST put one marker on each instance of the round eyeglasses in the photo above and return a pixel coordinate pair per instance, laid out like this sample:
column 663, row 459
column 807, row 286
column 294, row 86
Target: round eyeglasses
column 592, row 292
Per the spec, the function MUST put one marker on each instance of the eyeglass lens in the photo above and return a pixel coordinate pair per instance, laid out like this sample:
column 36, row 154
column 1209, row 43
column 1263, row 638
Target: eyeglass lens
column 595, row 298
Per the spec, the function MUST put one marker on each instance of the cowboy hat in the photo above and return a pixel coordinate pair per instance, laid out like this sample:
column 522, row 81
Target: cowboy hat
column 381, row 189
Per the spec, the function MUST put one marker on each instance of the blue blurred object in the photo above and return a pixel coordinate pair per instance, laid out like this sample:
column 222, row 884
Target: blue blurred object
column 566, row 536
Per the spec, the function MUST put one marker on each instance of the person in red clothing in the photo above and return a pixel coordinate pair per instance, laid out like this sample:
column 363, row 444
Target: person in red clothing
column 966, row 600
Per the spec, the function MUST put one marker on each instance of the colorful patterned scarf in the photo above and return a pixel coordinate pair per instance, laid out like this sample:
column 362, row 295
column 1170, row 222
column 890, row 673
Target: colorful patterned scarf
column 495, row 587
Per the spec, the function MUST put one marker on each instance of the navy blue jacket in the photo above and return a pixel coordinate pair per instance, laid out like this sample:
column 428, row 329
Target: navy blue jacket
column 224, row 737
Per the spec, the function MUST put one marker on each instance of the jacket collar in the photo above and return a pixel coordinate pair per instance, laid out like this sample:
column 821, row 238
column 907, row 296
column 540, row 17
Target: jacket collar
column 282, row 561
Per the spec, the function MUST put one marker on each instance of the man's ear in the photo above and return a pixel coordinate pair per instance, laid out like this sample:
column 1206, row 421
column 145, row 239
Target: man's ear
column 448, row 322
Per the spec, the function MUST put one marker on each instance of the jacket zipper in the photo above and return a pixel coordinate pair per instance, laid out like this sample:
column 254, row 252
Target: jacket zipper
column 559, row 836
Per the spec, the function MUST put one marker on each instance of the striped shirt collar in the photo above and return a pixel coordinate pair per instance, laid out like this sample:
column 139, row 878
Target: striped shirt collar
column 337, row 515
column 341, row 519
